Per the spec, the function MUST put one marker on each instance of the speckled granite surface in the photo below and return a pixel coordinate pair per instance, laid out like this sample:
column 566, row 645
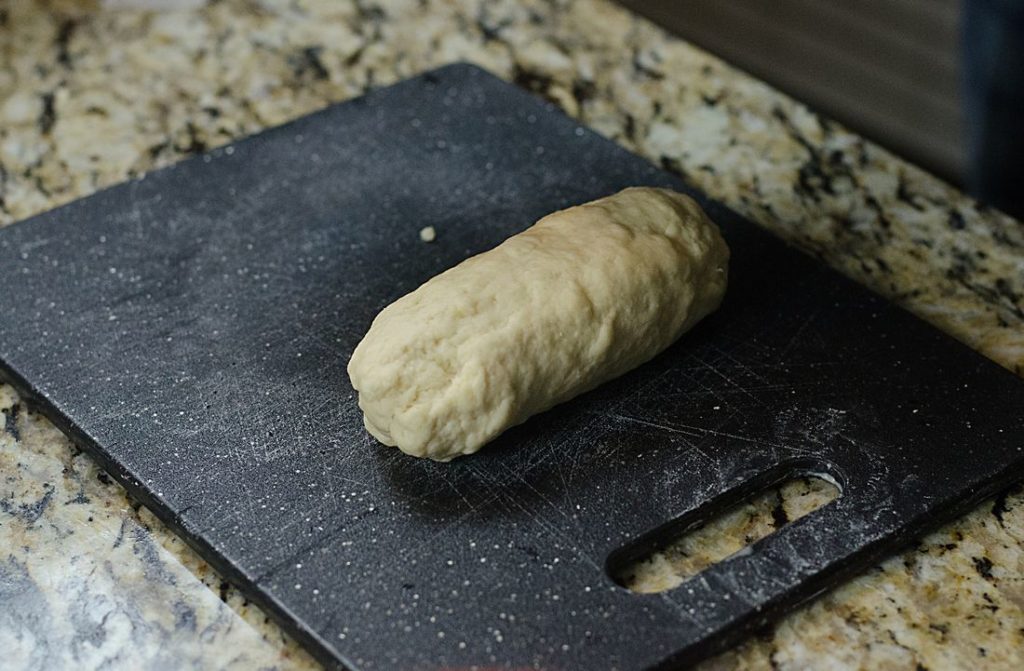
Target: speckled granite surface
column 89, row 97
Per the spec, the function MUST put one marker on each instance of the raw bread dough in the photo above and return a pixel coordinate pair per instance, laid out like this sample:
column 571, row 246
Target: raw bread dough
column 579, row 298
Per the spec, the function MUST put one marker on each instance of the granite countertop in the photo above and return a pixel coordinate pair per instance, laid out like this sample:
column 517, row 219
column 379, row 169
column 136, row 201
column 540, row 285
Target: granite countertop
column 91, row 97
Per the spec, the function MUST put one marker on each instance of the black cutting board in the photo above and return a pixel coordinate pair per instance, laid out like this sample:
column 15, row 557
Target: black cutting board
column 191, row 330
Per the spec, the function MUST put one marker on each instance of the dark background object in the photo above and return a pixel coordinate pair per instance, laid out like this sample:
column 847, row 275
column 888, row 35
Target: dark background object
column 889, row 69
column 940, row 82
column 191, row 329
column 994, row 87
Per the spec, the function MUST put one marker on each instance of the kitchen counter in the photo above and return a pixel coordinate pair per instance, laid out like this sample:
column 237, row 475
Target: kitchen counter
column 89, row 98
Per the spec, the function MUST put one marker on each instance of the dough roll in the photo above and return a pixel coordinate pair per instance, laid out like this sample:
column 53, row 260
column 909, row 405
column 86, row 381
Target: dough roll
column 582, row 296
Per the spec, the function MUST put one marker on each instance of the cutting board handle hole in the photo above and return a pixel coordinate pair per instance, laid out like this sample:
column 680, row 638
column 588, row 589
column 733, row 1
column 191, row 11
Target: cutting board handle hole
column 728, row 525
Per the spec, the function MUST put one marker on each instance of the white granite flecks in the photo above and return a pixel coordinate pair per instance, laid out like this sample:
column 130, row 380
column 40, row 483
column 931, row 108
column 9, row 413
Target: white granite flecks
column 92, row 93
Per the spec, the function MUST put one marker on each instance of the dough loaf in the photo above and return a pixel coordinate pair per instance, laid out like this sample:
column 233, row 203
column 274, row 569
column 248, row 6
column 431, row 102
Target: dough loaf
column 579, row 298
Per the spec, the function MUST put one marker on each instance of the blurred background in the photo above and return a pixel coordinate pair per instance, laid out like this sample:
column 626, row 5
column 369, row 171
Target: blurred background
column 938, row 81
column 889, row 69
